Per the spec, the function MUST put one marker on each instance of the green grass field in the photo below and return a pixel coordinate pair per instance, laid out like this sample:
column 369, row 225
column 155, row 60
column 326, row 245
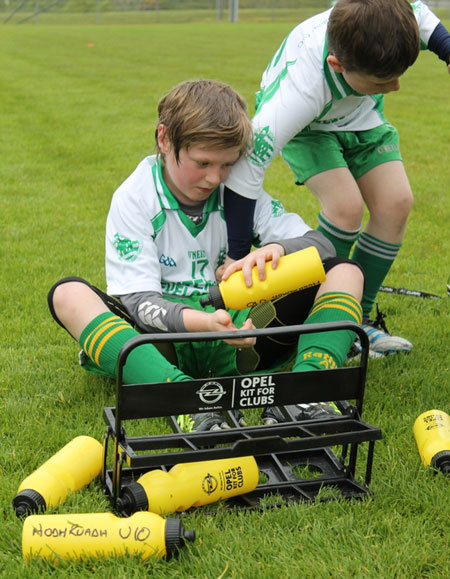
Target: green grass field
column 77, row 115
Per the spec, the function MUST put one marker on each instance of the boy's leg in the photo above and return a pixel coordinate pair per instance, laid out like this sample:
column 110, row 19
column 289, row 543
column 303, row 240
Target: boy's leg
column 389, row 198
column 337, row 300
column 101, row 334
column 342, row 239
column 85, row 312
column 317, row 160
column 341, row 215
column 373, row 159
column 343, row 289
column 386, row 191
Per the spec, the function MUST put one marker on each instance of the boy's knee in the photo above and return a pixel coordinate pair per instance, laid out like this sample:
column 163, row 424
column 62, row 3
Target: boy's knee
column 356, row 272
column 60, row 294
column 350, row 270
column 406, row 203
column 63, row 292
column 347, row 215
column 400, row 205
column 395, row 208
column 66, row 292
column 346, row 277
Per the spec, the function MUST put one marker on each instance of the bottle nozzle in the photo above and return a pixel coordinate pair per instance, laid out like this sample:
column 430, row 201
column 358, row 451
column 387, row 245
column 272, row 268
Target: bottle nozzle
column 176, row 536
column 441, row 461
column 28, row 501
column 123, row 504
column 133, row 498
column 21, row 510
column 445, row 468
column 188, row 535
column 444, row 465
column 206, row 301
column 214, row 298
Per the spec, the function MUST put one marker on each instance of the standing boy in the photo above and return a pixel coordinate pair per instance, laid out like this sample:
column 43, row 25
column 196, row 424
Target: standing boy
column 321, row 105
column 166, row 237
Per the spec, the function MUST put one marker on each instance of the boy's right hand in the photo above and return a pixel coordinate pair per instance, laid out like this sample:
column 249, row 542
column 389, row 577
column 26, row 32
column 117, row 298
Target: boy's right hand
column 221, row 322
column 218, row 321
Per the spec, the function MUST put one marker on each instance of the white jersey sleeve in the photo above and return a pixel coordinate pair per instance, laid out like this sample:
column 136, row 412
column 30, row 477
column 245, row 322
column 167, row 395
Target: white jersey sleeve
column 426, row 20
column 132, row 261
column 293, row 93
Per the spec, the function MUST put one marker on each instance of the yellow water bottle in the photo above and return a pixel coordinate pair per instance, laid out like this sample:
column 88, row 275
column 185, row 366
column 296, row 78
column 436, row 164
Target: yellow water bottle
column 70, row 469
column 432, row 434
column 296, row 271
column 78, row 536
column 191, row 484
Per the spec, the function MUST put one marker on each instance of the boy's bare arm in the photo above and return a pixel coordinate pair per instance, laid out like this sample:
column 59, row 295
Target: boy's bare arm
column 155, row 314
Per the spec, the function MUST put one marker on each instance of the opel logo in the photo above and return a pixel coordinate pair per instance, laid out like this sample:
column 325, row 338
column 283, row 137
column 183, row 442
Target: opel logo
column 209, row 484
column 211, row 392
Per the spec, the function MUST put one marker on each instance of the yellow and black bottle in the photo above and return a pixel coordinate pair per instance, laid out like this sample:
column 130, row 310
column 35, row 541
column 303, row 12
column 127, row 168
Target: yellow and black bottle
column 70, row 469
column 191, row 484
column 295, row 271
column 432, row 434
column 79, row 536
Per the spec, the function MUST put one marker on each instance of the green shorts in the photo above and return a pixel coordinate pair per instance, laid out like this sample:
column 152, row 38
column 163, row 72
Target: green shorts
column 216, row 358
column 210, row 358
column 312, row 152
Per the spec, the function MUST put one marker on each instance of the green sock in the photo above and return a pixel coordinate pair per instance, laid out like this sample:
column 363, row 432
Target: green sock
column 376, row 258
column 324, row 350
column 102, row 340
column 342, row 239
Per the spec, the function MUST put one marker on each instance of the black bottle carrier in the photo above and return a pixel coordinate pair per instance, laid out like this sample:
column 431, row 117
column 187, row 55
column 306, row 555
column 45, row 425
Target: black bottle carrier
column 327, row 447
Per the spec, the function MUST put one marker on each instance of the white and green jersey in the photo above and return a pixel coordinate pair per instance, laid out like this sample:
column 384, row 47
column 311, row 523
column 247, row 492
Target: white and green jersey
column 153, row 246
column 299, row 89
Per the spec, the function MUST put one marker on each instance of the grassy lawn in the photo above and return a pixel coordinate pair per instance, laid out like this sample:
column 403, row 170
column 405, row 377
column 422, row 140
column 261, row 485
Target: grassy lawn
column 77, row 115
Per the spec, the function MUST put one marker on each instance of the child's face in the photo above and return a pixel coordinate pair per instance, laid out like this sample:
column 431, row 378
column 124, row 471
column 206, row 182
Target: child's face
column 199, row 170
column 364, row 83
column 367, row 84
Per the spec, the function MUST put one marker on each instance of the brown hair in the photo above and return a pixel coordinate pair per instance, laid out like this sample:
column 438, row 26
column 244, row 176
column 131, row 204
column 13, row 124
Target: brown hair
column 205, row 111
column 375, row 37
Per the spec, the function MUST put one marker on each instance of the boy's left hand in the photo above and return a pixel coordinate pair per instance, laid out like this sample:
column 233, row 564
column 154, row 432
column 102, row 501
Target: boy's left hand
column 258, row 258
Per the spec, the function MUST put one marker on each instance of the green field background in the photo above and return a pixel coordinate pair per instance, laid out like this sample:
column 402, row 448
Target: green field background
column 77, row 115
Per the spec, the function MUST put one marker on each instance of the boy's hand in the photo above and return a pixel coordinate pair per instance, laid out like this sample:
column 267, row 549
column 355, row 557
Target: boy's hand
column 258, row 258
column 222, row 268
column 221, row 322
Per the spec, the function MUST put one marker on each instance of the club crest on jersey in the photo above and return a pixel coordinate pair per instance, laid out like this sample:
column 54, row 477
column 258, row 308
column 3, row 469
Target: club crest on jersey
column 127, row 249
column 277, row 208
column 263, row 147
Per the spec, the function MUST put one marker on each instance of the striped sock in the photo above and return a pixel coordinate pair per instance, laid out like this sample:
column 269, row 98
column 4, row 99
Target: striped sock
column 342, row 239
column 376, row 258
column 319, row 351
column 102, row 340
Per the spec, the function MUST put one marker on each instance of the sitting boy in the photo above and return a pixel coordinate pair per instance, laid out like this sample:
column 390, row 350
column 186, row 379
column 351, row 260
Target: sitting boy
column 165, row 238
